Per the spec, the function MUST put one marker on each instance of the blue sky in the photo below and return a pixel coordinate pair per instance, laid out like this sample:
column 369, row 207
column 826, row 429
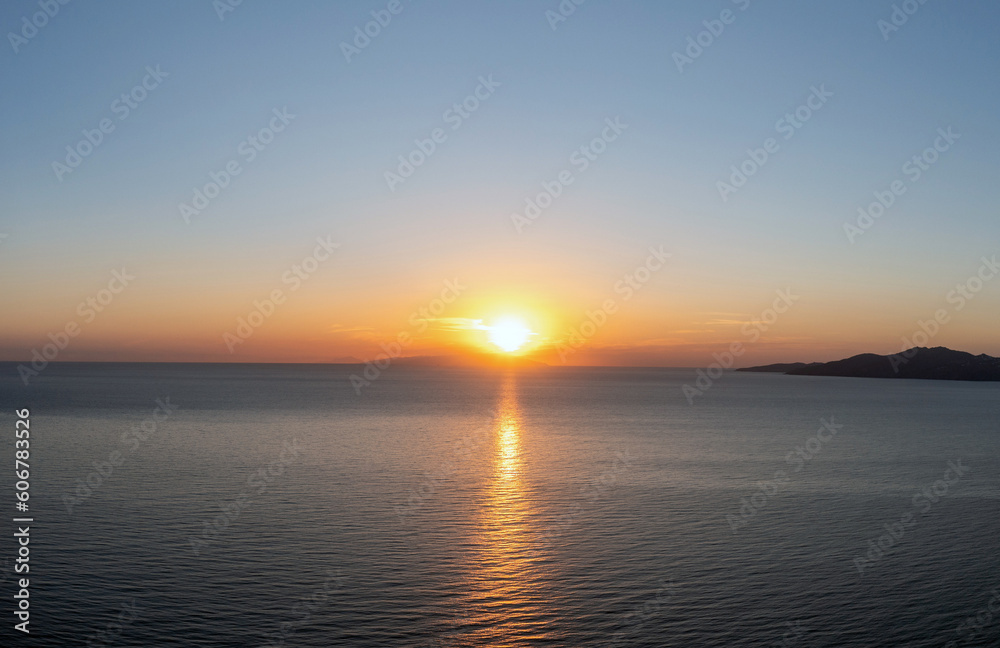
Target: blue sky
column 655, row 184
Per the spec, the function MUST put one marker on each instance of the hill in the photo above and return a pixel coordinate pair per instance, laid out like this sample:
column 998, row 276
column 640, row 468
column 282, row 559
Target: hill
column 937, row 363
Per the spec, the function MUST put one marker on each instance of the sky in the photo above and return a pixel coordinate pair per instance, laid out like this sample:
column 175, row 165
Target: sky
column 378, row 185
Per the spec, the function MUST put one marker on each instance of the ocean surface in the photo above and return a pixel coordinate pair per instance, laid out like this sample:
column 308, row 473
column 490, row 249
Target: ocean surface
column 259, row 505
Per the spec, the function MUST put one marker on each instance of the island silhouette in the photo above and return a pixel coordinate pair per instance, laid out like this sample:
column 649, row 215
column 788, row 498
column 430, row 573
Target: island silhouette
column 937, row 363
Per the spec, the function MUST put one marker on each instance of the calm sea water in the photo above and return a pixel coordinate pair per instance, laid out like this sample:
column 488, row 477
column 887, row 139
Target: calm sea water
column 272, row 505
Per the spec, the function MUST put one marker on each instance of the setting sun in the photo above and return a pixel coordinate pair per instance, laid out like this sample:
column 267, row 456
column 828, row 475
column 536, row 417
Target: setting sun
column 509, row 333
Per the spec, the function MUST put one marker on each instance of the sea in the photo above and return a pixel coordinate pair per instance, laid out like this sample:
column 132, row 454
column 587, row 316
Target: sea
column 291, row 505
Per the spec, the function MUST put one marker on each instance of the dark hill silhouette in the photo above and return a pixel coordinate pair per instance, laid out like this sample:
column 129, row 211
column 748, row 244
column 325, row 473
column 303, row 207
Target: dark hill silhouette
column 936, row 363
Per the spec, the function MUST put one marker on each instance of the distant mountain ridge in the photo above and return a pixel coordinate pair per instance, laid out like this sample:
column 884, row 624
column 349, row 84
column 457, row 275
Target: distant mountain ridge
column 468, row 360
column 937, row 363
column 781, row 367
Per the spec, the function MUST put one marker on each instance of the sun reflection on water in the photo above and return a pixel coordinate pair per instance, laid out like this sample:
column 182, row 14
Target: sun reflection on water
column 505, row 602
column 509, row 439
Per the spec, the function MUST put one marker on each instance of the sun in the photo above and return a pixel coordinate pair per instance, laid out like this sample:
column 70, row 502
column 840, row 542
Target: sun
column 509, row 334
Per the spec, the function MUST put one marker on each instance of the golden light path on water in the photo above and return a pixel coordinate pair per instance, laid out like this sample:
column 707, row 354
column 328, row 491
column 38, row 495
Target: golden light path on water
column 505, row 602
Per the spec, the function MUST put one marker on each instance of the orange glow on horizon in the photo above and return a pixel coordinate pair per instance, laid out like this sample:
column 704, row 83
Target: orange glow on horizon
column 180, row 323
